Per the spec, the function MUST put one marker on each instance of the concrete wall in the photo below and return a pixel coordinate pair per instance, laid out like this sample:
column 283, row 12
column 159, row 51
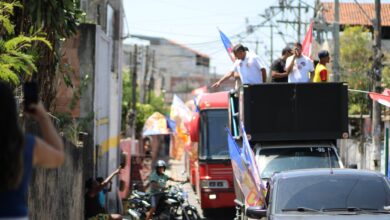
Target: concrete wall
column 58, row 193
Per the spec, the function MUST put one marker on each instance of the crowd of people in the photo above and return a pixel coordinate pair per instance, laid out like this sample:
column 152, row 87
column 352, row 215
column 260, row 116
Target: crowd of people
column 292, row 67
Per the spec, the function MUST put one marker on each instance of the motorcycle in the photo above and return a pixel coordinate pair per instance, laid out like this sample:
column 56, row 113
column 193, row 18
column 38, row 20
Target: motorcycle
column 173, row 205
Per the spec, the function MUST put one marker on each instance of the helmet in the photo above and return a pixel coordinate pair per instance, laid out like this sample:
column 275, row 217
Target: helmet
column 161, row 163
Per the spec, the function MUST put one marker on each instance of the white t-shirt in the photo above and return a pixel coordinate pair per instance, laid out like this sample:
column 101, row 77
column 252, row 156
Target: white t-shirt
column 249, row 69
column 301, row 69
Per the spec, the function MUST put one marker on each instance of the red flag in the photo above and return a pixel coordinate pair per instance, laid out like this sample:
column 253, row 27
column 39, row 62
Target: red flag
column 307, row 42
column 383, row 98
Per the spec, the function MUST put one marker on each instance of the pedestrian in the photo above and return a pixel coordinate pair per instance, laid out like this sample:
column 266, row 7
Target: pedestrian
column 247, row 65
column 321, row 72
column 103, row 192
column 93, row 207
column 21, row 152
column 298, row 66
column 158, row 180
column 278, row 67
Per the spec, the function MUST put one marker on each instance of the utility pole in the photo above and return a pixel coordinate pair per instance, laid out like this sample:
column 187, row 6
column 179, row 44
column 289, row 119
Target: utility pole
column 133, row 111
column 299, row 21
column 272, row 45
column 336, row 39
column 151, row 81
column 377, row 76
column 146, row 72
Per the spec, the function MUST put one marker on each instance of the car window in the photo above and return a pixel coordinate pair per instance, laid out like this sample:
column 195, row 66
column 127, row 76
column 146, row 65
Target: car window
column 332, row 191
column 282, row 159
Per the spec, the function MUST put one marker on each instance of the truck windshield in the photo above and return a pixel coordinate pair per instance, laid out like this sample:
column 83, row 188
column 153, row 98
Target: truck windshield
column 332, row 193
column 282, row 159
column 213, row 139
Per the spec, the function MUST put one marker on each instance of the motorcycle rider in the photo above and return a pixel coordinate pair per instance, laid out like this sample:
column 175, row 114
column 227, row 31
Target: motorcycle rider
column 158, row 180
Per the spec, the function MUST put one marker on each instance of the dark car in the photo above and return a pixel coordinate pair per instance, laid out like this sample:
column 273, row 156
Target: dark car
column 326, row 194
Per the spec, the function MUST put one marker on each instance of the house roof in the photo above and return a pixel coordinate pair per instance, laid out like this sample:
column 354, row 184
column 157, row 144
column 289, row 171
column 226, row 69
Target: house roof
column 352, row 14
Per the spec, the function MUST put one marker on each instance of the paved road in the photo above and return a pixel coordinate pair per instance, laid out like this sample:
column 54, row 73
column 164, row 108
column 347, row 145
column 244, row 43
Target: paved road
column 175, row 170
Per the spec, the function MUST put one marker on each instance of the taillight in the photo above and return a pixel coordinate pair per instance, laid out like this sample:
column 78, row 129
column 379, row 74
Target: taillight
column 214, row 184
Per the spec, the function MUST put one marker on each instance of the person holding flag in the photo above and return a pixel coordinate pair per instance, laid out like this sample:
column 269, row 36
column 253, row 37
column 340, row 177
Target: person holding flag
column 247, row 65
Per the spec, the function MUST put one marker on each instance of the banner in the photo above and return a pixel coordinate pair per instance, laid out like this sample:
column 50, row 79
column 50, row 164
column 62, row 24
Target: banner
column 181, row 114
column 250, row 161
column 243, row 175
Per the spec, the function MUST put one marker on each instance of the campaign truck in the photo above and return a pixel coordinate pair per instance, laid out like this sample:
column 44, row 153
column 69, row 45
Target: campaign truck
column 290, row 126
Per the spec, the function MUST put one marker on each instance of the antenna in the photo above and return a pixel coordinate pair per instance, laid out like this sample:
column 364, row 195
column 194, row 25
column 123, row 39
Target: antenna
column 330, row 162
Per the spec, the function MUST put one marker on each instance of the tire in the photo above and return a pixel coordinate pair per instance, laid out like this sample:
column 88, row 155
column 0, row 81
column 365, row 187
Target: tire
column 192, row 213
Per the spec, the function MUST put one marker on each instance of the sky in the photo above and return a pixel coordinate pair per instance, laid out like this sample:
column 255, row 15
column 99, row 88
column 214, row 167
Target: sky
column 195, row 24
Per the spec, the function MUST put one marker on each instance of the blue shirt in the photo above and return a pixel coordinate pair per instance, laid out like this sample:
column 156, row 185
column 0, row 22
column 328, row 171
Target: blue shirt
column 13, row 203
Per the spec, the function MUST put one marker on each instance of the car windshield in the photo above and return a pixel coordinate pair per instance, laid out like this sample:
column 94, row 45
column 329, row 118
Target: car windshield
column 213, row 144
column 333, row 192
column 282, row 159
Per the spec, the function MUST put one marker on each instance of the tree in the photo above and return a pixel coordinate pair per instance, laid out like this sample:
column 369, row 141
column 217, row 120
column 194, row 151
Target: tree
column 17, row 60
column 58, row 20
column 355, row 62
column 143, row 110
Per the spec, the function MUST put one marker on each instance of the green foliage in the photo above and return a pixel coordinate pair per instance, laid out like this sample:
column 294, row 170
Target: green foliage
column 143, row 110
column 16, row 58
column 355, row 62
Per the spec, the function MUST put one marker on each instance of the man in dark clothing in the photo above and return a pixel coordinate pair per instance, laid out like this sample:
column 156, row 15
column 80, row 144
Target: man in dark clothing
column 278, row 71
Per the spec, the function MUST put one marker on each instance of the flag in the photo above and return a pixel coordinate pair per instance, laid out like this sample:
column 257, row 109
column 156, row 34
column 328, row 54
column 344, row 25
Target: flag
column 242, row 175
column 199, row 90
column 228, row 45
column 249, row 156
column 383, row 98
column 307, row 42
column 180, row 114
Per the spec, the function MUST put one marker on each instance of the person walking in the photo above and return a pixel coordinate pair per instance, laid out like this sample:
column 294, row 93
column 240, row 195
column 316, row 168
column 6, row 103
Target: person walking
column 247, row 65
column 278, row 67
column 321, row 72
column 21, row 152
column 298, row 66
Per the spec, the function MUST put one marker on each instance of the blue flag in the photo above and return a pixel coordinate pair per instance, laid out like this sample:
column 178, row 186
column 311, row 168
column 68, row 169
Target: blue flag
column 249, row 156
column 243, row 175
column 227, row 44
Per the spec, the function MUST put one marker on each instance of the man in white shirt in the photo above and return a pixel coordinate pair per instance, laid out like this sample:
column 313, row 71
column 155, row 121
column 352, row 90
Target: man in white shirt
column 298, row 66
column 248, row 65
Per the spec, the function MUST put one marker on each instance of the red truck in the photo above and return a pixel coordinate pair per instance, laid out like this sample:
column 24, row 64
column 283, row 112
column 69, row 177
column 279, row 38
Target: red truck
column 209, row 166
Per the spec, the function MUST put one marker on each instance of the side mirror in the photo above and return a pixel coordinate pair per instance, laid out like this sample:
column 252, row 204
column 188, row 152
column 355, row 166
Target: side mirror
column 194, row 127
column 134, row 187
column 256, row 212
column 353, row 166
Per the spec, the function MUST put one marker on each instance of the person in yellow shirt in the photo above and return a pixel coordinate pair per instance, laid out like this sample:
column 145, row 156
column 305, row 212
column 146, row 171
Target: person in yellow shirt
column 321, row 72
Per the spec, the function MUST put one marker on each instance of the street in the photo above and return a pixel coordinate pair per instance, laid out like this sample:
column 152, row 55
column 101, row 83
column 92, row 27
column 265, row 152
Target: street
column 176, row 169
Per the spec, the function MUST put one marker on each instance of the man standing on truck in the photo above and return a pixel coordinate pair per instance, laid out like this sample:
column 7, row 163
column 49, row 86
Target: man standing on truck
column 278, row 70
column 248, row 65
column 298, row 66
column 321, row 72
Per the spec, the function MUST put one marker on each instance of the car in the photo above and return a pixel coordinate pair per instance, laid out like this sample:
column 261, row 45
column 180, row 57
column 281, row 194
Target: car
column 326, row 194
